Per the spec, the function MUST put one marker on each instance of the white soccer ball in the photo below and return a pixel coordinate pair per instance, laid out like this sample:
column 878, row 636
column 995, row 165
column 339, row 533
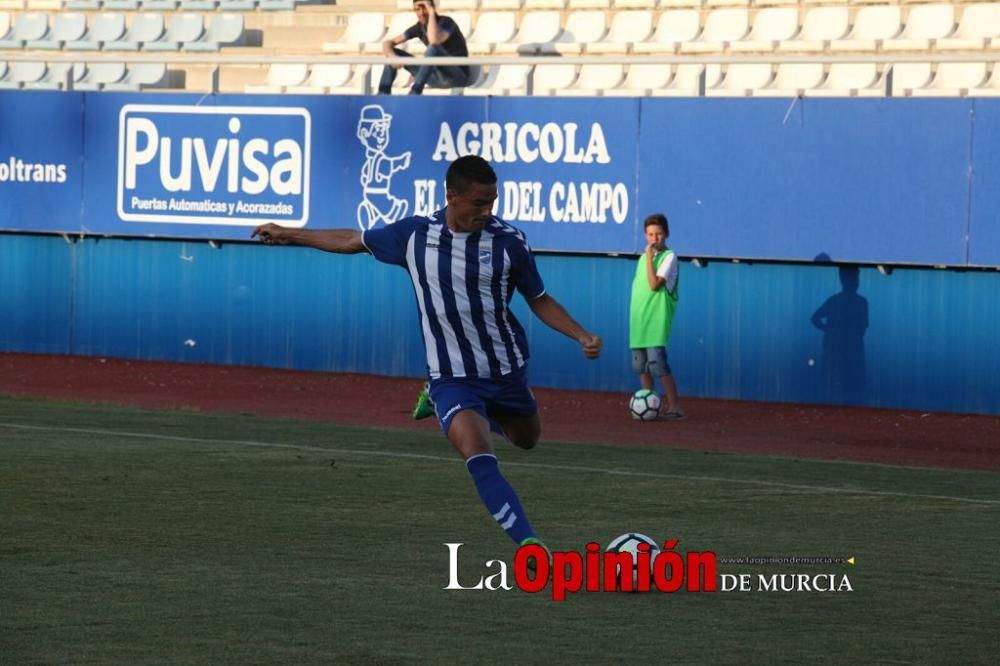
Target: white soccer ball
column 644, row 405
column 629, row 543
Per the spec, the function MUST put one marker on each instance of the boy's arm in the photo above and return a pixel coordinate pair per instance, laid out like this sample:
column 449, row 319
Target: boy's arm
column 554, row 315
column 655, row 281
column 340, row 241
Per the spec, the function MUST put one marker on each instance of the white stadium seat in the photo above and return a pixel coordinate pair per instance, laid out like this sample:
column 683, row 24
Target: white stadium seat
column 850, row 80
column 184, row 28
column 793, row 79
column 820, row 26
column 593, row 80
column 771, row 26
column 626, row 29
column 550, row 78
column 321, row 78
column 27, row 27
column 67, row 27
column 955, row 79
column 492, row 28
column 741, row 79
column 145, row 28
column 641, row 79
column 21, row 73
column 675, row 27
column 906, row 76
column 104, row 28
column 363, row 29
column 281, row 76
column 872, row 25
column 225, row 29
column 503, row 79
column 924, row 25
column 721, row 27
column 977, row 28
column 140, row 76
column 536, row 29
column 581, row 29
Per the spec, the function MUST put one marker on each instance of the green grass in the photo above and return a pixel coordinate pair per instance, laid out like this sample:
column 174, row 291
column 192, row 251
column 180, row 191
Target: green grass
column 275, row 541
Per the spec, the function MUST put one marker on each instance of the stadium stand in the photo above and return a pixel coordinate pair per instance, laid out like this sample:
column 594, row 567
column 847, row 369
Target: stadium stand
column 835, row 32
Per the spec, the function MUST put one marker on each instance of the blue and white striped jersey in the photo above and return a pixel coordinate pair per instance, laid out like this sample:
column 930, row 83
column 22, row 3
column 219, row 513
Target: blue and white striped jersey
column 463, row 283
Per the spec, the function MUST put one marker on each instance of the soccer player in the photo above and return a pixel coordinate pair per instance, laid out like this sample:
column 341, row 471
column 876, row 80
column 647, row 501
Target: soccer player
column 465, row 264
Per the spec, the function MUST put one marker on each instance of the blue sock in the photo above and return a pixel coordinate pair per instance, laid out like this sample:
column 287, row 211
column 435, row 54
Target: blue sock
column 499, row 498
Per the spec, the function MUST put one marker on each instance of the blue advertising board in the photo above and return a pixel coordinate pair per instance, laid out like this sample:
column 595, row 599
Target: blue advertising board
column 41, row 151
column 904, row 181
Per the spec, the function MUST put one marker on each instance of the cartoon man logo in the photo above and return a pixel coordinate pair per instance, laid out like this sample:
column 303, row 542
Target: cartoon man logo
column 378, row 203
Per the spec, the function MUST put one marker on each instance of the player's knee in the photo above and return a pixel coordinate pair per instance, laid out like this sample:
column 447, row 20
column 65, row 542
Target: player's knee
column 525, row 440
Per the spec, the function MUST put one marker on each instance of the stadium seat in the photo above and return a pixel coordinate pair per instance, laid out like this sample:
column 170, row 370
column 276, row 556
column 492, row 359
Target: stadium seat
column 121, row 5
column 363, row 29
column 955, row 79
column 4, row 70
column 492, row 28
column 22, row 73
column 101, row 73
column 281, row 76
column 145, row 28
column 499, row 4
column 190, row 5
column 171, row 5
column 12, row 4
column 503, row 79
column 820, row 26
column 276, row 5
column 792, row 80
column 593, row 80
column 321, row 78
column 237, row 5
column 627, row 28
column 850, row 80
column 675, row 27
column 27, row 27
column 721, row 27
column 641, row 80
column 43, row 5
column 184, row 29
column 544, row 4
column 582, row 28
column 67, row 27
column 140, row 76
column 536, row 29
column 57, row 74
column 907, row 76
column 358, row 84
column 991, row 88
column 83, row 5
column 771, row 26
column 397, row 26
column 589, row 4
column 872, row 26
column 224, row 30
column 635, row 4
column 4, row 25
column 104, row 28
column 689, row 80
column 741, row 80
column 547, row 79
column 679, row 4
column 977, row 28
column 924, row 25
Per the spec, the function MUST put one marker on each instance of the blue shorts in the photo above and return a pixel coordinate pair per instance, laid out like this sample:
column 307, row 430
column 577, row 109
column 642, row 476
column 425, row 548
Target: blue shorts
column 652, row 360
column 506, row 396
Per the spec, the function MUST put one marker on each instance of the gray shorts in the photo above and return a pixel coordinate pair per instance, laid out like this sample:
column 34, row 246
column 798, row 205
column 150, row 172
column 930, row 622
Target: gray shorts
column 652, row 360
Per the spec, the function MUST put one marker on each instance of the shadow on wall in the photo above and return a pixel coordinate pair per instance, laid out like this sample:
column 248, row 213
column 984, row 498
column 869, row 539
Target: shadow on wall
column 843, row 319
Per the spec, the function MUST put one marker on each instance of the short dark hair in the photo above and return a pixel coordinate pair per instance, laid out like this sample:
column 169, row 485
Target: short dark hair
column 659, row 219
column 429, row 2
column 467, row 170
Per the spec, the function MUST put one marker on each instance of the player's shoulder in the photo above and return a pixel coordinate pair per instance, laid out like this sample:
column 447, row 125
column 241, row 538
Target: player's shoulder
column 411, row 223
column 505, row 230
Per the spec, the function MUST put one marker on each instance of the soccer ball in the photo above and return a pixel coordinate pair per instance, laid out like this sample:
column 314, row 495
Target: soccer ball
column 644, row 405
column 629, row 543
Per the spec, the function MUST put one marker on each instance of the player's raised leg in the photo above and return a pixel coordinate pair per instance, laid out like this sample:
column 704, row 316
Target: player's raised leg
column 469, row 433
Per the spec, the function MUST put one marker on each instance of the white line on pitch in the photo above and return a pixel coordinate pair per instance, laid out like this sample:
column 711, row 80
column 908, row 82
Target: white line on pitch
column 450, row 459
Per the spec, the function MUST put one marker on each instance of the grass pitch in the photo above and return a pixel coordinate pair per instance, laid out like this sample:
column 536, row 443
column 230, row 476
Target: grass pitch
column 131, row 536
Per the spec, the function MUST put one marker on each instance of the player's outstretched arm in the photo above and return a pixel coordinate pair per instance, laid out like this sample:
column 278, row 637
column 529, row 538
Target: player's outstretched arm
column 554, row 315
column 341, row 241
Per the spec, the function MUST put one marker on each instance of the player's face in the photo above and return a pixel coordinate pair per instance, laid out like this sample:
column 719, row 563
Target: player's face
column 472, row 208
column 655, row 235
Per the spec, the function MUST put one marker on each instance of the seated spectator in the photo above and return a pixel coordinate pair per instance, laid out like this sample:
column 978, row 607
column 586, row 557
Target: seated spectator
column 443, row 38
